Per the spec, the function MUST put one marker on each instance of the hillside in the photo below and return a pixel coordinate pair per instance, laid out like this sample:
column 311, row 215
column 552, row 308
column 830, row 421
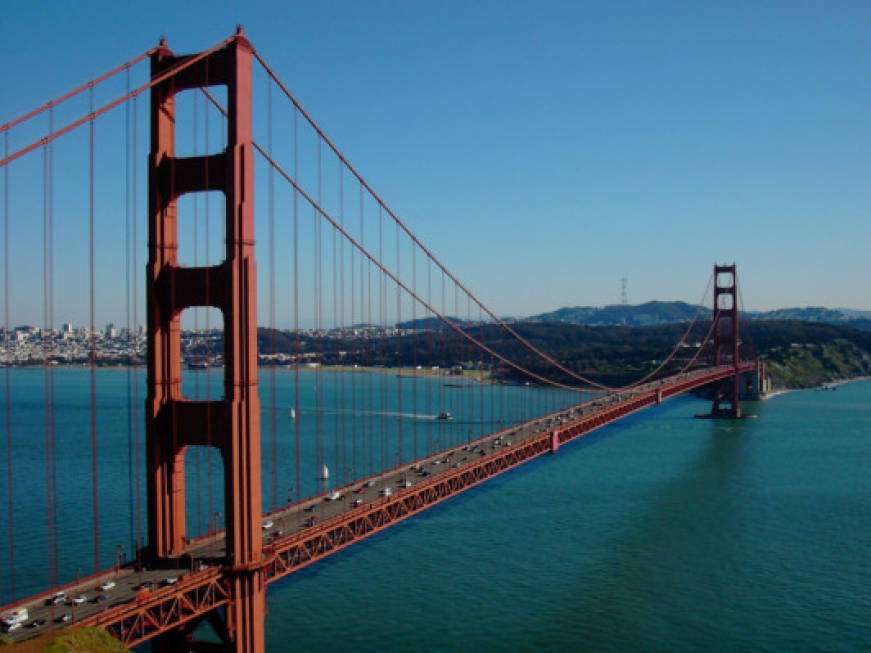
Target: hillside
column 797, row 354
column 648, row 314
column 659, row 312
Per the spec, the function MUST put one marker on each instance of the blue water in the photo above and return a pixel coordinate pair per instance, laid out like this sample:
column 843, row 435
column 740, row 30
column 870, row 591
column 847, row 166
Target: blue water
column 659, row 533
column 359, row 419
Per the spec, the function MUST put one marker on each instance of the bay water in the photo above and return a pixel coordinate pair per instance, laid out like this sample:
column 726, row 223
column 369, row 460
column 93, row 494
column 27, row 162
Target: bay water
column 659, row 533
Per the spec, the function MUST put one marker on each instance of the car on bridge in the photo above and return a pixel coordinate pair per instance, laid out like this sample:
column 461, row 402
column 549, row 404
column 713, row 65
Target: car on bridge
column 15, row 619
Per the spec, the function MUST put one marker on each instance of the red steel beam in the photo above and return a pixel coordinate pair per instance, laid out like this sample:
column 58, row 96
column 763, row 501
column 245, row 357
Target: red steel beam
column 165, row 610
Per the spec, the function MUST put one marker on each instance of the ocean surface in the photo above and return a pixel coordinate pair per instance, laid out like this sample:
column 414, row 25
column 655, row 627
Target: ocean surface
column 660, row 533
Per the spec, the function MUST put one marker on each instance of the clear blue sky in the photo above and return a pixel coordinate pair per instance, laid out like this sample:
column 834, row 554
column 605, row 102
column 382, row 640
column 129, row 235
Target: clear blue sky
column 545, row 149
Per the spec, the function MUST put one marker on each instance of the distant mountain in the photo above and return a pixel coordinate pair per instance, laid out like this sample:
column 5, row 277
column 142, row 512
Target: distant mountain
column 429, row 323
column 648, row 314
column 656, row 313
column 856, row 313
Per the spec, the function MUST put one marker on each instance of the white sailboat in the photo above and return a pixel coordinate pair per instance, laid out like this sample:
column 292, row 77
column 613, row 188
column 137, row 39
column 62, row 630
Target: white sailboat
column 293, row 413
column 325, row 473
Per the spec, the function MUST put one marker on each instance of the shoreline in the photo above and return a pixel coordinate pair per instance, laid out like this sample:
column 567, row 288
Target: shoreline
column 822, row 387
column 468, row 376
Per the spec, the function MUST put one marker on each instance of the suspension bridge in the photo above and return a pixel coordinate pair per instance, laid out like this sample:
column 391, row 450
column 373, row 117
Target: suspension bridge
column 391, row 388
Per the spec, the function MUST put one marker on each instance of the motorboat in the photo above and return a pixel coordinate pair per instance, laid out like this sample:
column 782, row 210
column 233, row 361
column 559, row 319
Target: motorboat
column 445, row 416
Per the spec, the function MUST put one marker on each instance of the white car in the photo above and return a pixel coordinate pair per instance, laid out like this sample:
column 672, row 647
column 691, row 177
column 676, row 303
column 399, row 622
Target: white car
column 81, row 598
column 105, row 587
column 15, row 619
column 267, row 524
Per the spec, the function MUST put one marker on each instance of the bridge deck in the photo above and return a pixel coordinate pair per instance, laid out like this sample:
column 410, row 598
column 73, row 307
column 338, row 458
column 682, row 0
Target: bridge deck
column 303, row 533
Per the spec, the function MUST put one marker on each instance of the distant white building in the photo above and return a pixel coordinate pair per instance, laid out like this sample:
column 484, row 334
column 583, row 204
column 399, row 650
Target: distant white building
column 110, row 331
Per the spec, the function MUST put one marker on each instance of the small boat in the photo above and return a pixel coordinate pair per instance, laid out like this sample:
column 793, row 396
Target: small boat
column 292, row 413
column 325, row 473
column 445, row 416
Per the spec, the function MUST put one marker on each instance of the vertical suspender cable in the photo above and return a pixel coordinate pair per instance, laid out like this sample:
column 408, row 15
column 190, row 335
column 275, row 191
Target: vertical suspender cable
column 430, row 331
column 369, row 384
column 398, row 352
column 458, row 362
column 443, row 362
column 296, row 310
column 382, row 319
column 342, row 312
column 135, row 268
column 47, row 438
column 355, row 358
column 319, row 416
column 414, row 352
column 51, row 520
column 482, row 366
column 9, row 511
column 51, row 406
column 366, row 271
column 93, row 356
column 130, row 333
column 272, row 426
column 336, row 443
column 472, row 362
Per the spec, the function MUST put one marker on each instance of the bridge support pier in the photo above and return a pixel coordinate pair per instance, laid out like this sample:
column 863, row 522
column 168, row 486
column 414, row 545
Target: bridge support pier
column 726, row 400
column 232, row 425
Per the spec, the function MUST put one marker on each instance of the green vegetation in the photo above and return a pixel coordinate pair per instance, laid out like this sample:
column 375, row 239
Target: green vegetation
column 797, row 354
column 86, row 639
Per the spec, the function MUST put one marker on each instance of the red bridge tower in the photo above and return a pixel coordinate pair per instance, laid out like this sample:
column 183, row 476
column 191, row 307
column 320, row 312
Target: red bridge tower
column 725, row 334
column 232, row 425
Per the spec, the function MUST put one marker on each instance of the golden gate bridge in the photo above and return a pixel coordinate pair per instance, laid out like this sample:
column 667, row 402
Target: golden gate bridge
column 359, row 291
